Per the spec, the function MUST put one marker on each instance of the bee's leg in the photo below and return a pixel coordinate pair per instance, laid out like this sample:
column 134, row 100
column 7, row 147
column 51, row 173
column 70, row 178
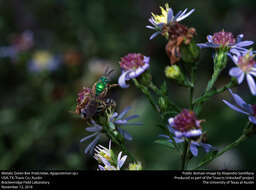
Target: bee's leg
column 113, row 85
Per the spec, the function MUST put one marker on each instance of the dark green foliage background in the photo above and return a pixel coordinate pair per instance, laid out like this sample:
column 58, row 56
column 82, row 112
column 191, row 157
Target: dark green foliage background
column 37, row 131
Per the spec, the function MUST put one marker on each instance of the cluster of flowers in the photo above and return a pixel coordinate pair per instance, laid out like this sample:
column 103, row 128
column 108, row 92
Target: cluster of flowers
column 41, row 59
column 109, row 160
column 19, row 43
column 184, row 127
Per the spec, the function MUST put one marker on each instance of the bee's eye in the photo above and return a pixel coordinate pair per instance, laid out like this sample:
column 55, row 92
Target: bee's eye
column 104, row 79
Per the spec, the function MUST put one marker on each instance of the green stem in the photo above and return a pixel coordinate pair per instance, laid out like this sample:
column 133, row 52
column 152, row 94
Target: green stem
column 191, row 97
column 147, row 93
column 192, row 87
column 209, row 94
column 220, row 62
column 242, row 138
column 214, row 78
column 128, row 153
column 154, row 88
column 115, row 140
column 184, row 155
column 227, row 148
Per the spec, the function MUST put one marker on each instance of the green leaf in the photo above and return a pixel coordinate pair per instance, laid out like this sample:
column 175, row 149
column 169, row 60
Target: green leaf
column 165, row 142
column 163, row 88
column 209, row 155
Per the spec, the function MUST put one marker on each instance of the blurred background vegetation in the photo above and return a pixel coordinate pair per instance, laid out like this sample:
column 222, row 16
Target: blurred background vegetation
column 81, row 37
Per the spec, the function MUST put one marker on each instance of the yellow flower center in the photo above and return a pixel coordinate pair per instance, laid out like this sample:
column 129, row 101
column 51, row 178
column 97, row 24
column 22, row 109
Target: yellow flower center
column 162, row 18
column 104, row 155
column 42, row 58
column 246, row 62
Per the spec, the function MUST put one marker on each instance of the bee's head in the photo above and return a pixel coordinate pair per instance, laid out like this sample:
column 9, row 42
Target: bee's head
column 104, row 80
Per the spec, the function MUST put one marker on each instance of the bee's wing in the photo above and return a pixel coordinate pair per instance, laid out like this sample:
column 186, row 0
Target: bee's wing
column 108, row 72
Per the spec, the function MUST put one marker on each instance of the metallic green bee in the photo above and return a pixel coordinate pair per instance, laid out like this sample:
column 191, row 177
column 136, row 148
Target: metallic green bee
column 101, row 87
column 94, row 100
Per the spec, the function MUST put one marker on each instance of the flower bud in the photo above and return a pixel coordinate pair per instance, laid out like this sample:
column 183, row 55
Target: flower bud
column 163, row 104
column 174, row 72
column 220, row 59
column 135, row 166
column 190, row 52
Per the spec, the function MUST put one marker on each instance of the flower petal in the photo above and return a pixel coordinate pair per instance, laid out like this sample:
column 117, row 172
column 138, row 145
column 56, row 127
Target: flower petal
column 236, row 53
column 170, row 15
column 138, row 71
column 182, row 13
column 150, row 27
column 209, row 38
column 164, row 136
column 178, row 134
column 146, row 60
column 105, row 162
column 114, row 115
column 206, row 147
column 120, row 161
column 193, row 133
column 122, row 114
column 251, row 84
column 208, row 45
column 240, row 78
column 193, row 149
column 88, row 137
column 182, row 16
column 120, row 122
column 171, row 129
column 133, row 124
column 91, row 146
column 154, row 35
column 235, row 72
column 234, row 107
column 239, row 38
column 178, row 140
column 122, row 79
column 101, row 168
column 94, row 128
column 240, row 102
column 131, row 117
column 252, row 119
column 125, row 134
column 170, row 121
column 177, row 15
column 244, row 43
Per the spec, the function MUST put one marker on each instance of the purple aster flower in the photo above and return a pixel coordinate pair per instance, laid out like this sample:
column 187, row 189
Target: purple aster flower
column 132, row 66
column 8, row 51
column 108, row 166
column 245, row 67
column 119, row 120
column 24, row 41
column 21, row 42
column 97, row 133
column 224, row 39
column 166, row 17
column 243, row 107
column 186, row 125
